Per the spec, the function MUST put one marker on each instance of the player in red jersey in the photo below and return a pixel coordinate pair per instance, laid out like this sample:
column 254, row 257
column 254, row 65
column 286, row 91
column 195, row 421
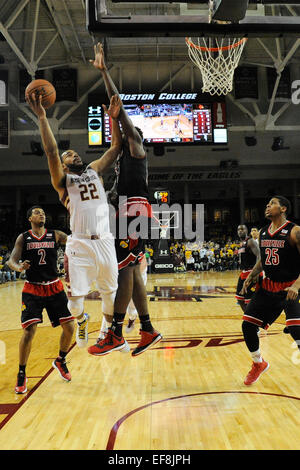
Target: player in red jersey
column 132, row 186
column 37, row 248
column 279, row 244
column 249, row 254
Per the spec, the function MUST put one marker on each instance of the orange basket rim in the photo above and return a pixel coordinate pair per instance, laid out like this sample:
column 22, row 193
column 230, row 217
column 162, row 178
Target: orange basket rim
column 215, row 49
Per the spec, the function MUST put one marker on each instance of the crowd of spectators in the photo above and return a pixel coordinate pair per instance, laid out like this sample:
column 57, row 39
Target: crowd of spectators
column 6, row 274
column 186, row 256
column 200, row 256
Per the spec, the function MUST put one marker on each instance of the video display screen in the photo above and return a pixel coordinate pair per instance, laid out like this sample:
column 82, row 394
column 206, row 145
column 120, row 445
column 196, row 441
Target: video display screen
column 165, row 120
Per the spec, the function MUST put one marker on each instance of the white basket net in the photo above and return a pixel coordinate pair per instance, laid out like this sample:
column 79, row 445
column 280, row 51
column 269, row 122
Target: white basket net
column 217, row 60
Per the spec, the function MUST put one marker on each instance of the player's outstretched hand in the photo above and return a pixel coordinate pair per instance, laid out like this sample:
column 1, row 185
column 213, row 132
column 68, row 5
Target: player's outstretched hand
column 24, row 265
column 35, row 102
column 246, row 285
column 292, row 293
column 99, row 62
column 114, row 107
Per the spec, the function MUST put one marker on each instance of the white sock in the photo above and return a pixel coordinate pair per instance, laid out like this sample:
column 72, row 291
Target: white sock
column 104, row 327
column 256, row 356
column 132, row 317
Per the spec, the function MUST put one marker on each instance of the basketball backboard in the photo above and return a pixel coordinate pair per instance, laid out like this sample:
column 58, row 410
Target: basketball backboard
column 263, row 18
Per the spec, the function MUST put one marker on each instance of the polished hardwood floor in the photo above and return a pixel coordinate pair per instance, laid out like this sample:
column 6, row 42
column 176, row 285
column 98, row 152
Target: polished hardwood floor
column 185, row 393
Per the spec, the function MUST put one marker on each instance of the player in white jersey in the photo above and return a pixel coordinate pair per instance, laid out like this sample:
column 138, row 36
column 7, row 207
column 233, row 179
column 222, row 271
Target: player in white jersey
column 90, row 251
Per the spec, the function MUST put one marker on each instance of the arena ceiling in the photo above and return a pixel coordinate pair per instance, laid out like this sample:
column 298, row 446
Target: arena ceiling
column 50, row 33
column 46, row 34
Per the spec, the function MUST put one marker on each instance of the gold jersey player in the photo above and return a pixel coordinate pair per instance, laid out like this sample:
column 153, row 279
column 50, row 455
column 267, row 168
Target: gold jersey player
column 37, row 248
column 132, row 186
column 90, row 251
column 279, row 244
column 249, row 254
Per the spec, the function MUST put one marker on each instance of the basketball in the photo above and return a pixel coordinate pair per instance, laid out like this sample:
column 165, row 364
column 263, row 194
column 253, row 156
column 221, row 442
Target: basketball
column 44, row 88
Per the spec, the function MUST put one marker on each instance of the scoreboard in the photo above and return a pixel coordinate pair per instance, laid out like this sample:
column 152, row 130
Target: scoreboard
column 95, row 125
column 202, row 123
column 162, row 196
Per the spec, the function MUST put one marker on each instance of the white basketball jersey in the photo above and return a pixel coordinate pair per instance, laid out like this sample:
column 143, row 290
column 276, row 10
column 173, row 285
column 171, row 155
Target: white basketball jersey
column 86, row 202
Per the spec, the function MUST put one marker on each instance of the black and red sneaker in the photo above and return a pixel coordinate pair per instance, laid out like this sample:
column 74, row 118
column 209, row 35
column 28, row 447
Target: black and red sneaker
column 147, row 340
column 61, row 366
column 21, row 385
column 110, row 343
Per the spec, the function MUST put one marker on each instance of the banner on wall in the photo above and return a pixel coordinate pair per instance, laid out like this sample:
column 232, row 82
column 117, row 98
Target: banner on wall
column 3, row 87
column 246, row 83
column 65, row 84
column 4, row 129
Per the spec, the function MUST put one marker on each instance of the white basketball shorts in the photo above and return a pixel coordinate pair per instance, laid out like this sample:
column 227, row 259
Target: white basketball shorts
column 88, row 261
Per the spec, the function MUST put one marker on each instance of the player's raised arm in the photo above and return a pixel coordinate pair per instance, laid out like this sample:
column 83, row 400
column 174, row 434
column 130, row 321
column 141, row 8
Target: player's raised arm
column 60, row 237
column 103, row 163
column 254, row 248
column 134, row 138
column 49, row 143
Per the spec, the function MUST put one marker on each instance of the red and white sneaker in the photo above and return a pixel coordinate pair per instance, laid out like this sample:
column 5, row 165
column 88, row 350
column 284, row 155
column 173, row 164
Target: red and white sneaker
column 147, row 340
column 110, row 343
column 62, row 369
column 21, row 385
column 257, row 369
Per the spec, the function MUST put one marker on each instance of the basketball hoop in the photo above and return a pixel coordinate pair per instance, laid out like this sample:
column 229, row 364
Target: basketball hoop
column 217, row 59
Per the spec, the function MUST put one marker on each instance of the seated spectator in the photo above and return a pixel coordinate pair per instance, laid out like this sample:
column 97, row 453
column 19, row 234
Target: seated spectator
column 218, row 263
column 179, row 265
column 6, row 274
column 203, row 263
column 196, row 256
column 190, row 263
column 149, row 262
column 210, row 261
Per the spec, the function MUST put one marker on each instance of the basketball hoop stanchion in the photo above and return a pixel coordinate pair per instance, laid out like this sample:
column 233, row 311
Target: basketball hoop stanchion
column 217, row 64
column 164, row 230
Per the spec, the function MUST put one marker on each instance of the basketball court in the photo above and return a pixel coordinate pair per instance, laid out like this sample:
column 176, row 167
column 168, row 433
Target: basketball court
column 187, row 392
